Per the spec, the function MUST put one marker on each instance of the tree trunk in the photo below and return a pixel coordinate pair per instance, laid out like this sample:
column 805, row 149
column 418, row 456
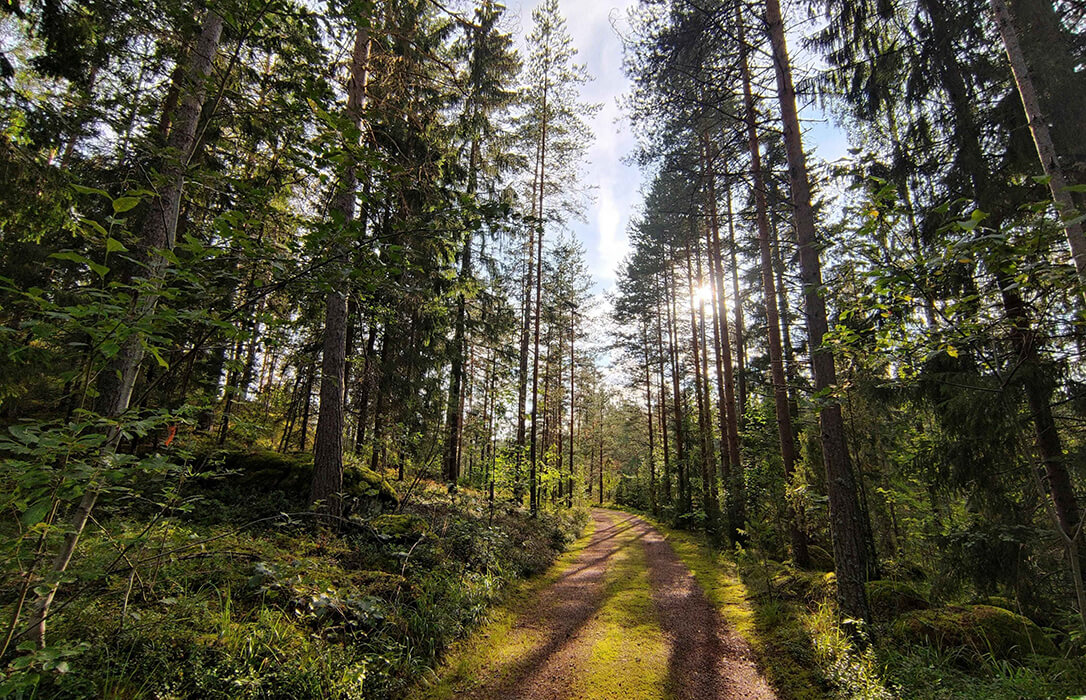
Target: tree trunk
column 849, row 554
column 158, row 234
column 785, row 433
column 1042, row 137
column 1024, row 341
column 740, row 334
column 663, row 406
column 648, row 412
column 704, row 429
column 572, row 402
column 732, row 466
column 533, row 497
column 365, row 382
column 454, row 413
column 381, row 381
column 328, row 441
column 677, row 403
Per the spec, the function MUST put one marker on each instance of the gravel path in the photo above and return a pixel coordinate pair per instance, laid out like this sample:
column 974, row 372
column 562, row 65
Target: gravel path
column 708, row 660
column 548, row 652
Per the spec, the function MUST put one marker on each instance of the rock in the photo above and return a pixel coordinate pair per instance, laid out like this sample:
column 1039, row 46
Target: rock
column 821, row 560
column 265, row 471
column 400, row 526
column 890, row 599
column 807, row 586
column 982, row 629
column 362, row 482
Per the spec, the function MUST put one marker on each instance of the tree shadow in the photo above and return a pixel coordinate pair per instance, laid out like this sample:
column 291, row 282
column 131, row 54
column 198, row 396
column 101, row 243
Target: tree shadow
column 707, row 659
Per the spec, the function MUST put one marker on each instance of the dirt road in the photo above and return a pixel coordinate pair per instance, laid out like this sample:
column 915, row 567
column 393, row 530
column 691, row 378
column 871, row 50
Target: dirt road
column 621, row 618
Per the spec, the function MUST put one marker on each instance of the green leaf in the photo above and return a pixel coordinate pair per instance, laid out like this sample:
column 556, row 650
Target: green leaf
column 100, row 270
column 158, row 357
column 96, row 226
column 115, row 246
column 36, row 512
column 69, row 255
column 123, row 204
column 81, row 189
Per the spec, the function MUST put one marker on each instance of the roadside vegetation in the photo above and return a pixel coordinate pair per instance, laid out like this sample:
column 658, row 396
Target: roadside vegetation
column 220, row 584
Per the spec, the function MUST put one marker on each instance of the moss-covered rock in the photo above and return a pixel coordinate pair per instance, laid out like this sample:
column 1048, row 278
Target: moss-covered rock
column 890, row 599
column 821, row 560
column 998, row 601
column 265, row 471
column 400, row 526
column 982, row 629
column 362, row 482
column 380, row 583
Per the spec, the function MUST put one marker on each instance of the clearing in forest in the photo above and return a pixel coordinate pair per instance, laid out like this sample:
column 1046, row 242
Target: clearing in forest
column 619, row 617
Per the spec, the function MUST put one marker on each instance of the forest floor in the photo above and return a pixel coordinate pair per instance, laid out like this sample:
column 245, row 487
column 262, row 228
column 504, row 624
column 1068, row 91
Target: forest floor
column 619, row 616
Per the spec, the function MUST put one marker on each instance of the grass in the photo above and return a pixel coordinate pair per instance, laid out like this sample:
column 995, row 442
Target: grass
column 773, row 630
column 625, row 633
column 622, row 634
column 799, row 645
column 285, row 609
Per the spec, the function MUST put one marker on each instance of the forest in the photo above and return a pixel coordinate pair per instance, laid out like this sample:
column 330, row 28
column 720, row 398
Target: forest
column 312, row 384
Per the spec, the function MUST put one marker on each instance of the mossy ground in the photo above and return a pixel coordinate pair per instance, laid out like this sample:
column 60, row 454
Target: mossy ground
column 621, row 653
column 233, row 600
column 788, row 618
column 773, row 630
column 629, row 655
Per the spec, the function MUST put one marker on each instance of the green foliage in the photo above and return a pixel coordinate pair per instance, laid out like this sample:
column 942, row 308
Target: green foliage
column 280, row 610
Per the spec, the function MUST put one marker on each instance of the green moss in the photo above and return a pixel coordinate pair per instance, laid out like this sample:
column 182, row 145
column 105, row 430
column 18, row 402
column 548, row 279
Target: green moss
column 363, row 482
column 625, row 633
column 400, row 526
column 772, row 628
column 266, row 471
column 821, row 560
column 983, row 629
column 811, row 587
column 889, row 599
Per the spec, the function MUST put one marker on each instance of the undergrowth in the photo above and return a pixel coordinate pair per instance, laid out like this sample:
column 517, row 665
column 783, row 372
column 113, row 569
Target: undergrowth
column 282, row 608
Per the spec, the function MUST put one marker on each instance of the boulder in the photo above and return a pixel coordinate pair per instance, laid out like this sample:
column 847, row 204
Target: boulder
column 890, row 599
column 821, row 560
column 400, row 527
column 265, row 471
column 980, row 629
column 806, row 586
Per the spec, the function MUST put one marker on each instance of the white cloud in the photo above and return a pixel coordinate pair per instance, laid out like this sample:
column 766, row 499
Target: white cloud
column 616, row 185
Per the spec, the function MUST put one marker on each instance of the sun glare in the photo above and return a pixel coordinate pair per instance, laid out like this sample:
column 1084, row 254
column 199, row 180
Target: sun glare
column 704, row 294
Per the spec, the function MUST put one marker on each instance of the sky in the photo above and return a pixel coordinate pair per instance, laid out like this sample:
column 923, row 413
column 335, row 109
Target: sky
column 618, row 186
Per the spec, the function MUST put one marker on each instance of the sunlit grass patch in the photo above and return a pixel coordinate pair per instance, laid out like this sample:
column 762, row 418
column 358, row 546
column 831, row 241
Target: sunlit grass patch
column 629, row 656
column 773, row 629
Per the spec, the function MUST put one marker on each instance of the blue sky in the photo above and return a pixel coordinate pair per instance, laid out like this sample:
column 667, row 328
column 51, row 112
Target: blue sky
column 617, row 186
